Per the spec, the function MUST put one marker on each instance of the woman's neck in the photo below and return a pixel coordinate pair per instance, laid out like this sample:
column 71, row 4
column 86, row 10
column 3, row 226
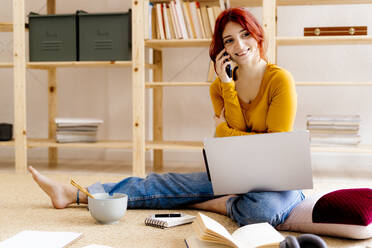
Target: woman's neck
column 252, row 72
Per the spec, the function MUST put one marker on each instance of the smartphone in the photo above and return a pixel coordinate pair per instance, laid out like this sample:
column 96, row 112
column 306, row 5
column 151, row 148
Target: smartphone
column 228, row 68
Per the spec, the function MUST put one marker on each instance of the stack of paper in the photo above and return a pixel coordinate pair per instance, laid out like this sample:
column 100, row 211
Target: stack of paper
column 76, row 130
column 40, row 239
column 334, row 129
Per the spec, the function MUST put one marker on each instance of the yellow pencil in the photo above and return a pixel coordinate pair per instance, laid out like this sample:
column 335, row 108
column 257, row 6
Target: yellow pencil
column 81, row 189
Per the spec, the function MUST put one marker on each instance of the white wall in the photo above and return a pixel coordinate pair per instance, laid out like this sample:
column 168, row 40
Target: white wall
column 106, row 93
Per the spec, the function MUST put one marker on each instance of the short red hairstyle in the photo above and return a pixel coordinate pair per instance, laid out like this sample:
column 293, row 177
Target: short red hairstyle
column 243, row 17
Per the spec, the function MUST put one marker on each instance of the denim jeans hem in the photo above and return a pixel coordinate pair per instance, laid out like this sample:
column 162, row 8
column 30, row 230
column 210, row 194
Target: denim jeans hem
column 96, row 188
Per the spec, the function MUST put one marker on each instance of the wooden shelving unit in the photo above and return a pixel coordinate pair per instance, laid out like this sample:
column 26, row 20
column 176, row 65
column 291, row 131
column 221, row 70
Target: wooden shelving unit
column 138, row 144
column 269, row 23
column 19, row 64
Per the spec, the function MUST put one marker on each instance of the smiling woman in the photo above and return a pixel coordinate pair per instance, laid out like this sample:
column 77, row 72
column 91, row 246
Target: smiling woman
column 260, row 97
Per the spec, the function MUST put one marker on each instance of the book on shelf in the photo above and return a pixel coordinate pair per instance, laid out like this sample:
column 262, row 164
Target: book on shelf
column 205, row 21
column 166, row 22
column 332, row 127
column 335, row 139
column 159, row 20
column 181, row 19
column 210, row 233
column 195, row 20
column 333, row 118
column 170, row 20
column 71, row 130
column 168, row 220
column 77, row 121
column 333, row 131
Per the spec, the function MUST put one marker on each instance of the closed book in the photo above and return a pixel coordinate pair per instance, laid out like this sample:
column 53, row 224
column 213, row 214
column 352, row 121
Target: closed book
column 195, row 20
column 333, row 118
column 159, row 20
column 200, row 20
column 77, row 121
column 186, row 14
column 171, row 24
column 212, row 18
column 181, row 19
column 335, row 140
column 205, row 18
column 165, row 222
column 176, row 20
column 333, row 127
column 333, row 132
column 166, row 22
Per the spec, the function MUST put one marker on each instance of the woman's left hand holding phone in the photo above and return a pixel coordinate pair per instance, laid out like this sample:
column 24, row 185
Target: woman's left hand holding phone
column 222, row 60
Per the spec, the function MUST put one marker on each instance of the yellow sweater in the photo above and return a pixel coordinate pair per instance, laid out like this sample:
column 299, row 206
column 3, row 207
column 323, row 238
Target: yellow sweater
column 273, row 109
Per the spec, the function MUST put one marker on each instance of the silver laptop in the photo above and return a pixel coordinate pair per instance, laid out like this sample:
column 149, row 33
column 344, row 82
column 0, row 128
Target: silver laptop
column 260, row 162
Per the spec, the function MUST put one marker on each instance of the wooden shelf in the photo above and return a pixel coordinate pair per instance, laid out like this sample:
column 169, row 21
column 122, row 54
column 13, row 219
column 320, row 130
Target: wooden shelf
column 174, row 145
column 42, row 65
column 252, row 3
column 31, row 143
column 282, row 41
column 175, row 84
column 168, row 145
column 70, row 64
column 324, row 40
column 7, row 143
column 192, row 84
column 6, row 27
column 333, row 83
column 177, row 43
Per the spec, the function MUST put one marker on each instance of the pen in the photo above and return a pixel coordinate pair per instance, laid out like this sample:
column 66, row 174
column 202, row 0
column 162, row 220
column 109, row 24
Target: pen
column 167, row 215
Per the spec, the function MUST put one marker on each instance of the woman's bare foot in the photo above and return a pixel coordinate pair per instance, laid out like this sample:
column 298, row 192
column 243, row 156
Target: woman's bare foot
column 61, row 195
column 217, row 205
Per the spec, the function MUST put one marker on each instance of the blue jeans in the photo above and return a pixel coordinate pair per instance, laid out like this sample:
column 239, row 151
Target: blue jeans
column 174, row 190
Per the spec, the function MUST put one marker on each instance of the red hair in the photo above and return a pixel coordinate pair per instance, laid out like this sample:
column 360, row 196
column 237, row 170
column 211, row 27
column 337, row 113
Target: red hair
column 243, row 17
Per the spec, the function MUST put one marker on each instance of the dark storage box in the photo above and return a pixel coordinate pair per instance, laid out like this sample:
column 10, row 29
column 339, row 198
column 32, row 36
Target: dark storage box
column 105, row 36
column 53, row 37
column 6, row 131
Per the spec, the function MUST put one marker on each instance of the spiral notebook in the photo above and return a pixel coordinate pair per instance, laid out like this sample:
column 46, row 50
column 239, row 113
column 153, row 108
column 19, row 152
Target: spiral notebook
column 165, row 222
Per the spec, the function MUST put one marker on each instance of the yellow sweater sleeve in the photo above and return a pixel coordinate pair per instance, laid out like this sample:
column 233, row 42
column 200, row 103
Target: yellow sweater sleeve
column 283, row 103
column 224, row 95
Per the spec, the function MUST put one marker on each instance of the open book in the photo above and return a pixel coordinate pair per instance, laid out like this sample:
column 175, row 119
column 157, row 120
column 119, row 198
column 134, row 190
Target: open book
column 210, row 233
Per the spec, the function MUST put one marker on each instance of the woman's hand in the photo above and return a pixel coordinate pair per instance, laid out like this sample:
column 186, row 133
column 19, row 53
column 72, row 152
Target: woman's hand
column 222, row 61
column 221, row 119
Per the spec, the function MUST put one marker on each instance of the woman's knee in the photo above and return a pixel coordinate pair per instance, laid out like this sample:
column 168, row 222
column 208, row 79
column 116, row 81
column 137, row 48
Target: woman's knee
column 271, row 207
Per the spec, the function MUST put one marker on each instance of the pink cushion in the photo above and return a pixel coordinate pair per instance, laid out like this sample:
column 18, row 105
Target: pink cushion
column 346, row 206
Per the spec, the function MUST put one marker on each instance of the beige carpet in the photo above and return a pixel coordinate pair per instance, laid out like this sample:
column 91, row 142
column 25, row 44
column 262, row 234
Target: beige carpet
column 23, row 206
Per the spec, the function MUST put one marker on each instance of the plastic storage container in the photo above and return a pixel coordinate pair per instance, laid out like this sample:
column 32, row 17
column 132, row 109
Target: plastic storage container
column 53, row 37
column 105, row 36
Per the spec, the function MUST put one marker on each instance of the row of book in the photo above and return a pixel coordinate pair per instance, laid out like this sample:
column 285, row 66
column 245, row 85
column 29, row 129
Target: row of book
column 181, row 19
column 70, row 130
column 334, row 129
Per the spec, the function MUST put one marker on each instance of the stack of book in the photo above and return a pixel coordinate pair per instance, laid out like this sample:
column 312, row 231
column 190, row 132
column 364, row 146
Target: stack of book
column 183, row 19
column 334, row 129
column 76, row 130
